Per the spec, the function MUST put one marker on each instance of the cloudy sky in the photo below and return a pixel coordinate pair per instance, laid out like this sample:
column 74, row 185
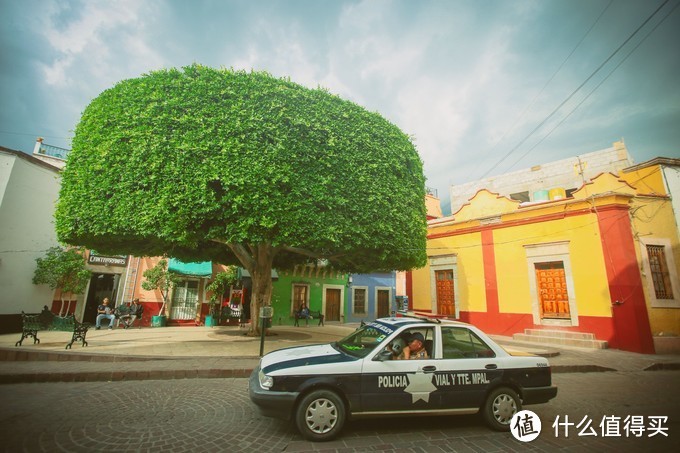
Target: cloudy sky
column 483, row 86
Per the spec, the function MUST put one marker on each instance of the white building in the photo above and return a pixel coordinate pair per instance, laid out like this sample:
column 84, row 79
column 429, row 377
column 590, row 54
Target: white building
column 29, row 188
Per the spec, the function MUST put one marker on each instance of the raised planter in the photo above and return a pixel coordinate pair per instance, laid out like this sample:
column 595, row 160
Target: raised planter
column 158, row 321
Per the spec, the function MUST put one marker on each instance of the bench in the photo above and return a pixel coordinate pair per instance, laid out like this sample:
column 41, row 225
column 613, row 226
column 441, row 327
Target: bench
column 312, row 315
column 47, row 320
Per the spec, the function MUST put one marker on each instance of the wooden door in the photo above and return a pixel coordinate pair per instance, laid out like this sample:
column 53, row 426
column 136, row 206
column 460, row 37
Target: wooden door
column 551, row 283
column 332, row 304
column 445, row 296
column 383, row 303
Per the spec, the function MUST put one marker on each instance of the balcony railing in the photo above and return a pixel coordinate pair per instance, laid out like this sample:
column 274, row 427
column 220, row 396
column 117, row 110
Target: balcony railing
column 53, row 151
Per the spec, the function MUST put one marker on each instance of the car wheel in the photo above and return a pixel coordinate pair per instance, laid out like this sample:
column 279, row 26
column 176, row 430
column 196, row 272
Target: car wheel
column 500, row 406
column 320, row 415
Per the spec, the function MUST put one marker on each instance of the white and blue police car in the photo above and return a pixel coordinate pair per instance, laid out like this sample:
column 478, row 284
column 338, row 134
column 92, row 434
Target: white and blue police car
column 465, row 371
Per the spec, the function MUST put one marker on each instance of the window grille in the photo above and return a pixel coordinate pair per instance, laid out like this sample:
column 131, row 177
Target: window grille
column 660, row 275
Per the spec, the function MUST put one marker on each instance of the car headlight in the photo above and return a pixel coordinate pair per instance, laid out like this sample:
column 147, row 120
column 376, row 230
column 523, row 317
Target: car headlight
column 266, row 382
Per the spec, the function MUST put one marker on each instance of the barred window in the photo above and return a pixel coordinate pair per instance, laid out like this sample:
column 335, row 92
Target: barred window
column 660, row 275
column 359, row 300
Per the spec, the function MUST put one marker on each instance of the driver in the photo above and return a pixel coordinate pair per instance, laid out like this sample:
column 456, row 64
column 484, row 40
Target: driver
column 415, row 349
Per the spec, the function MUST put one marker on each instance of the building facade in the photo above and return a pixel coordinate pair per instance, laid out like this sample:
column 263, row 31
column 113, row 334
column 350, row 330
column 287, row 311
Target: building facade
column 29, row 189
column 574, row 263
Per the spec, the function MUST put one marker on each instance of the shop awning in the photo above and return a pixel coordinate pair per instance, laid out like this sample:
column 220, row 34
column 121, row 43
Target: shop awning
column 242, row 273
column 203, row 269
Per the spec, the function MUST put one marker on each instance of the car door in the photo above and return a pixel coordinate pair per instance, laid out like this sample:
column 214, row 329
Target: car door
column 400, row 385
column 468, row 366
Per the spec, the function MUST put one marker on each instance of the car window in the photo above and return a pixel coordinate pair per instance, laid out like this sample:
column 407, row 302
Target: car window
column 462, row 343
column 365, row 339
column 402, row 340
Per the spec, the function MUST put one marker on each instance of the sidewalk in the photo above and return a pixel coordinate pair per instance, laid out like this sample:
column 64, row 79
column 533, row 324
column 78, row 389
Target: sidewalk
column 209, row 352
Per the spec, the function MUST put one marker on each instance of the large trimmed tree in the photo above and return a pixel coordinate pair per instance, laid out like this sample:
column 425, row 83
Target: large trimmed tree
column 242, row 168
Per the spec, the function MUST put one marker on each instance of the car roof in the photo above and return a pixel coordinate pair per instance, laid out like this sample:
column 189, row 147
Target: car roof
column 410, row 319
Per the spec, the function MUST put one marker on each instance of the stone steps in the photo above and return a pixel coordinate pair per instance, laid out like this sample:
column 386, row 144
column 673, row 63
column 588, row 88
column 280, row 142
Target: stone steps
column 560, row 338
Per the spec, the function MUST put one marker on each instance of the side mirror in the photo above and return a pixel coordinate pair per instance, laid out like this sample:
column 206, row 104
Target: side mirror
column 384, row 355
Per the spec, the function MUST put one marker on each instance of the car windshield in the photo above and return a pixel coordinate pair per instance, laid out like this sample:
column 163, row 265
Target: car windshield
column 365, row 339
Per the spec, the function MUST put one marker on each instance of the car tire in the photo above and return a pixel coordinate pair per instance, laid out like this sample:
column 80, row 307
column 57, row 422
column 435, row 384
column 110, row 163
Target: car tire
column 320, row 416
column 499, row 407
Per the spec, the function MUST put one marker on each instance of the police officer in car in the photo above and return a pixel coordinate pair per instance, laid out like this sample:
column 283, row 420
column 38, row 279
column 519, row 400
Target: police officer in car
column 415, row 349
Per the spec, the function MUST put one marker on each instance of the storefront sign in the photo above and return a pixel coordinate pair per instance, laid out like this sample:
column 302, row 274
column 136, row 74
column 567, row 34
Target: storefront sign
column 116, row 260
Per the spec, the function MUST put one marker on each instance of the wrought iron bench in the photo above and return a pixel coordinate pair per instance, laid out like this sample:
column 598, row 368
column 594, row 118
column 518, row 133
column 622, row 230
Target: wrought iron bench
column 47, row 320
column 312, row 315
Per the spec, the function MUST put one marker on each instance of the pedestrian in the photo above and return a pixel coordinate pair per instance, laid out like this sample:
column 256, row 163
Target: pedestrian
column 104, row 311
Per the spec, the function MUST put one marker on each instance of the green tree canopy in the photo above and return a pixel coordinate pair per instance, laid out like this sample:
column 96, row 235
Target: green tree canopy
column 242, row 168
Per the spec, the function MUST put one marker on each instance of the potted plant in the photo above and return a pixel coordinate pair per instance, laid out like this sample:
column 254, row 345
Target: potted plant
column 220, row 284
column 160, row 278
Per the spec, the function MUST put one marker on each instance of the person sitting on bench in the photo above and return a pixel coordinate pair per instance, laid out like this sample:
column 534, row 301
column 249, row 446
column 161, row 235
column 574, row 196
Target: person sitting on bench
column 104, row 311
column 135, row 311
column 304, row 312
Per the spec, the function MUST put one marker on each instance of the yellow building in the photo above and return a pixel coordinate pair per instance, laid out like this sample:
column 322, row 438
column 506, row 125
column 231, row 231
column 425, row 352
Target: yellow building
column 569, row 263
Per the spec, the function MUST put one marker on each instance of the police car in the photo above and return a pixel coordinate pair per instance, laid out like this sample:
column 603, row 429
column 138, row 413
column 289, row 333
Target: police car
column 462, row 372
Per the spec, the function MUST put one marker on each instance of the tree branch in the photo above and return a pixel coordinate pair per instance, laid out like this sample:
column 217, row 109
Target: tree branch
column 247, row 259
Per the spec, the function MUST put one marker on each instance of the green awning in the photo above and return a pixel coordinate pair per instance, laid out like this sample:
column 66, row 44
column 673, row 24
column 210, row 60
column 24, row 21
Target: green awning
column 203, row 269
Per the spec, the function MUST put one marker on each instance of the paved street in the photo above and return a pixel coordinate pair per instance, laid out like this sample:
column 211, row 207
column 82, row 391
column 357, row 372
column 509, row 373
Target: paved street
column 216, row 415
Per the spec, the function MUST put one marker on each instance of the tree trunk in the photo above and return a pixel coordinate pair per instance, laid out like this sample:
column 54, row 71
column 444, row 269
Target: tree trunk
column 261, row 276
column 258, row 260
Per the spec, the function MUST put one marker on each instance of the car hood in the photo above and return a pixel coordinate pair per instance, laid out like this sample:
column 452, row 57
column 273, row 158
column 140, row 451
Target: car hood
column 303, row 356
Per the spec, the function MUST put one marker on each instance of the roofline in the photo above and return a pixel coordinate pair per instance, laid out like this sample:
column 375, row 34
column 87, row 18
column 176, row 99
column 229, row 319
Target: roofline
column 668, row 161
column 31, row 159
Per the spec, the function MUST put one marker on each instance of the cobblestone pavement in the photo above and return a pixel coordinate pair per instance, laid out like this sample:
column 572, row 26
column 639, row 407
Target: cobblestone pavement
column 216, row 415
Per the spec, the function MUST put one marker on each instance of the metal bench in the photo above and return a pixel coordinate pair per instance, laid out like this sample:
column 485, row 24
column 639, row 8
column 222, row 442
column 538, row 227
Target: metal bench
column 47, row 320
column 312, row 315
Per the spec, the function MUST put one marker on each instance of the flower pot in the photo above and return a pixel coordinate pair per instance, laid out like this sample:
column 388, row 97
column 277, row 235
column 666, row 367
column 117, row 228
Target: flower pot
column 158, row 321
column 210, row 321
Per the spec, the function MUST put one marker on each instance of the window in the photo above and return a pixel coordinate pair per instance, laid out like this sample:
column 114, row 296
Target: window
column 359, row 301
column 428, row 335
column 461, row 343
column 300, row 296
column 184, row 300
column 660, row 275
column 520, row 196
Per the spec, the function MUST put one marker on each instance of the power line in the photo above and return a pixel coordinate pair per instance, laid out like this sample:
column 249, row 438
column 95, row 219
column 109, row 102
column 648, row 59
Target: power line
column 533, row 101
column 545, row 120
column 597, row 86
column 34, row 135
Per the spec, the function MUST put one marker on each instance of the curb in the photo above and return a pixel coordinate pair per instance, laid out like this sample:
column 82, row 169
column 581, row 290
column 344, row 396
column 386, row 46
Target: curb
column 579, row 369
column 663, row 366
column 110, row 376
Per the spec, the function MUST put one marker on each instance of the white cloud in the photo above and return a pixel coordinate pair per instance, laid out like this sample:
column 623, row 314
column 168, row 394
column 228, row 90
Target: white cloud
column 88, row 43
